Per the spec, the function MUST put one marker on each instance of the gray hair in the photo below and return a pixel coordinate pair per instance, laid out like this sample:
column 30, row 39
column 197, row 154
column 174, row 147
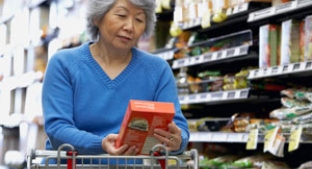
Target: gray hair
column 98, row 8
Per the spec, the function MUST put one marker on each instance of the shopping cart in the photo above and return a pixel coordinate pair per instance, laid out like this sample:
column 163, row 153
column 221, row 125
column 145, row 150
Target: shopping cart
column 156, row 160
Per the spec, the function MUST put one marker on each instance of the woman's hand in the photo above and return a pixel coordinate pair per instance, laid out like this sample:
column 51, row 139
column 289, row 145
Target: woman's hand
column 172, row 138
column 108, row 145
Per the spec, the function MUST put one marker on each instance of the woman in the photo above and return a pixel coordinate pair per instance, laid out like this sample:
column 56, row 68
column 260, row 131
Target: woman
column 86, row 89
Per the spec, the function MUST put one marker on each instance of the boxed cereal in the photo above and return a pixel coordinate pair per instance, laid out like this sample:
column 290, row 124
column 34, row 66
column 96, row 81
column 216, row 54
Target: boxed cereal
column 139, row 122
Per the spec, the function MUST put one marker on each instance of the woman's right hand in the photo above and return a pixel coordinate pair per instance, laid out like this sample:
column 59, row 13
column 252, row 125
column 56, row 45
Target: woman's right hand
column 108, row 145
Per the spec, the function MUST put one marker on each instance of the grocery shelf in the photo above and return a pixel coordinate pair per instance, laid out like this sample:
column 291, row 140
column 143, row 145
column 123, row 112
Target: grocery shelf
column 35, row 3
column 228, row 137
column 218, row 96
column 4, row 19
column 232, row 12
column 20, row 81
column 285, row 8
column 218, row 137
column 295, row 68
column 165, row 15
column 167, row 54
column 211, row 56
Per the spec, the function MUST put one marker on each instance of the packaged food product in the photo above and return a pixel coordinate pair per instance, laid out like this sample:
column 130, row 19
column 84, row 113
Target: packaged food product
column 269, row 43
column 290, row 42
column 289, row 103
column 140, row 120
column 308, row 40
column 289, row 113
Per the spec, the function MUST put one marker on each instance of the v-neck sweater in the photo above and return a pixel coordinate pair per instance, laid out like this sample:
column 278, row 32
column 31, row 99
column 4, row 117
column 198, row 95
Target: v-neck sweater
column 82, row 105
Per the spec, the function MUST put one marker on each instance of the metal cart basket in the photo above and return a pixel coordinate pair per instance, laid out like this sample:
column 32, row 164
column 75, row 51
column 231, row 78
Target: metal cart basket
column 156, row 160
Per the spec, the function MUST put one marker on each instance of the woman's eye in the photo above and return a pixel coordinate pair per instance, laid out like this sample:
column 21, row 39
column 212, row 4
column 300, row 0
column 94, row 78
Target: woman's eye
column 120, row 15
column 139, row 20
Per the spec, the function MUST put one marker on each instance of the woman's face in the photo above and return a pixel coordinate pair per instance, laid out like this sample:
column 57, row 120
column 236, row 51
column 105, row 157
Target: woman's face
column 122, row 26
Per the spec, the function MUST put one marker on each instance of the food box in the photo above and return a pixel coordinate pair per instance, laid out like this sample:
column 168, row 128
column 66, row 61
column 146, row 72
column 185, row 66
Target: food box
column 308, row 38
column 269, row 44
column 290, row 44
column 139, row 122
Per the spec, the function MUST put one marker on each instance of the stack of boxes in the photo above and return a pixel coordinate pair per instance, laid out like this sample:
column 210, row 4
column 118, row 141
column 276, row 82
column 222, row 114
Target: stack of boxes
column 285, row 43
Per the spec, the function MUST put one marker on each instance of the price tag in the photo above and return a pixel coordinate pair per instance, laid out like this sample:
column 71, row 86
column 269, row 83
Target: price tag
column 243, row 94
column 259, row 73
column 294, row 4
column 235, row 137
column 214, row 55
column 230, row 52
column 285, row 69
column 219, row 55
column 229, row 11
column 308, row 65
column 203, row 136
column 235, row 10
column 244, row 7
column 207, row 57
column 264, row 71
column 170, row 55
column 182, row 98
column 181, row 62
column 237, row 51
column 274, row 70
column 273, row 10
column 240, row 8
column 178, row 14
column 243, row 50
column 231, row 95
column 175, row 64
column 192, row 98
column 252, row 74
column 219, row 137
column 203, row 96
column 294, row 139
column 216, row 96
column 196, row 60
column 252, row 141
column 269, row 138
column 283, row 7
column 189, row 61
column 296, row 66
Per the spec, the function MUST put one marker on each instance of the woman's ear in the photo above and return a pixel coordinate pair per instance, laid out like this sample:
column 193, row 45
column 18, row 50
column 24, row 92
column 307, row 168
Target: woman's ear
column 95, row 22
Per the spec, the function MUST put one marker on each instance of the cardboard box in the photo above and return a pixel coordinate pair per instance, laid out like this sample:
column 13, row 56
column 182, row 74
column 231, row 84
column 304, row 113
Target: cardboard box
column 139, row 122
column 290, row 45
column 308, row 38
column 269, row 44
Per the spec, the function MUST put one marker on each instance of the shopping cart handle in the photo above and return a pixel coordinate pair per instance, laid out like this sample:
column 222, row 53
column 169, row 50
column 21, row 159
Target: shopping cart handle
column 162, row 162
column 156, row 152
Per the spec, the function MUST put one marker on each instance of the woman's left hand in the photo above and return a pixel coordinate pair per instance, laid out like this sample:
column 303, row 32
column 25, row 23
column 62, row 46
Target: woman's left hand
column 172, row 138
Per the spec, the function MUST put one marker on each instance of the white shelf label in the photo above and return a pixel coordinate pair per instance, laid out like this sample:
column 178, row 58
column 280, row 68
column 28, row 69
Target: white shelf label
column 240, row 8
column 207, row 57
column 282, row 8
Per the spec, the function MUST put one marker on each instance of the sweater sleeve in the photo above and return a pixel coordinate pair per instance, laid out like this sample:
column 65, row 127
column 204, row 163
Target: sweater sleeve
column 167, row 91
column 57, row 101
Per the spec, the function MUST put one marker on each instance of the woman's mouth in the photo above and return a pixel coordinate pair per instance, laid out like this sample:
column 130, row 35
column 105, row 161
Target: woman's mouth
column 124, row 38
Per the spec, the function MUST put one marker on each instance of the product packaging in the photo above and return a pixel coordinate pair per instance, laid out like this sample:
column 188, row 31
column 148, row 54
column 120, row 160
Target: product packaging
column 139, row 122
column 290, row 44
column 269, row 44
column 308, row 40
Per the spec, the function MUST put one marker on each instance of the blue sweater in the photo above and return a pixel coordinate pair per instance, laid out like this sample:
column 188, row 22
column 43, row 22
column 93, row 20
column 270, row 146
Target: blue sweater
column 82, row 105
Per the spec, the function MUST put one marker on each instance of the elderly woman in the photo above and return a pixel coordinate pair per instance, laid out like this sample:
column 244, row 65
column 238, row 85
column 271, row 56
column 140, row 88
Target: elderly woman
column 86, row 89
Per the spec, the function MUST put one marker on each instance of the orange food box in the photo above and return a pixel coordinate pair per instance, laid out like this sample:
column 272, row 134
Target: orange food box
column 139, row 122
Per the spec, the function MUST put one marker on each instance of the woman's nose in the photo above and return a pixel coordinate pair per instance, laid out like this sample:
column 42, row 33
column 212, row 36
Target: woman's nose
column 129, row 24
